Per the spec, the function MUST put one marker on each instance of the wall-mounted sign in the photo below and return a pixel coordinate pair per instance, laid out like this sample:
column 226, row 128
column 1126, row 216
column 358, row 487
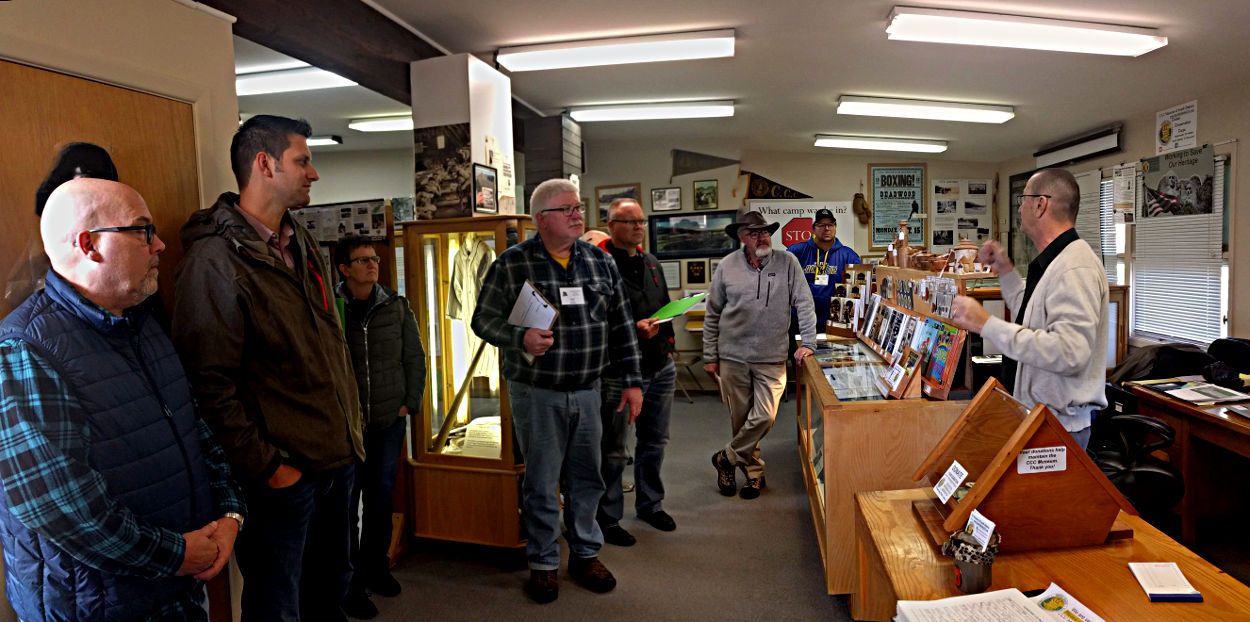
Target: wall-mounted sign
column 897, row 194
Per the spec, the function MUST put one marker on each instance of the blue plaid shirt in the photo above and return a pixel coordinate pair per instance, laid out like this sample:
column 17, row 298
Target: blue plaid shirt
column 587, row 337
column 51, row 490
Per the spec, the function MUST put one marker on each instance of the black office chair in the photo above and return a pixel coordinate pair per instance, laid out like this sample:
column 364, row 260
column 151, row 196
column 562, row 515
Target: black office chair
column 1122, row 446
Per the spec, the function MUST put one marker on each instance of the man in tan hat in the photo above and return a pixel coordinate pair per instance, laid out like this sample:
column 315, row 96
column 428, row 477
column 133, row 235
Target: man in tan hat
column 745, row 337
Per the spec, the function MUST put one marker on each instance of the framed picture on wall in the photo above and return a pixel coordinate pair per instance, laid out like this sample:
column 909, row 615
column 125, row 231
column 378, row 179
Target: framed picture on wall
column 672, row 273
column 897, row 193
column 691, row 235
column 485, row 189
column 605, row 195
column 705, row 194
column 712, row 269
column 665, row 199
column 696, row 272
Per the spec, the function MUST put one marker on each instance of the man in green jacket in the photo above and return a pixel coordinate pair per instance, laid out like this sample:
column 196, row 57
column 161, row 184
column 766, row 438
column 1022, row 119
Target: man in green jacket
column 259, row 335
column 390, row 374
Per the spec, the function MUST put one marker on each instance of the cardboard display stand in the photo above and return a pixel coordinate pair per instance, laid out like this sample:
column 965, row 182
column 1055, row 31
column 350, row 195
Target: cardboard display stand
column 1025, row 473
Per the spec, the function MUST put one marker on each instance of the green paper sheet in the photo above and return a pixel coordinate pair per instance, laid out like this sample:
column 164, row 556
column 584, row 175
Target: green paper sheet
column 678, row 307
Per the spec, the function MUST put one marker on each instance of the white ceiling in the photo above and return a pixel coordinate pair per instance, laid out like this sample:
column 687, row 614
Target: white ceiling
column 795, row 58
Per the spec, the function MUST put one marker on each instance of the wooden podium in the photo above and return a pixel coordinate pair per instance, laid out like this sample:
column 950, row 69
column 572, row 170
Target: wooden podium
column 1029, row 476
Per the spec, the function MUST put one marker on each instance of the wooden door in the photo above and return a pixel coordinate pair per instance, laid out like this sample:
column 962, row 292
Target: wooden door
column 151, row 139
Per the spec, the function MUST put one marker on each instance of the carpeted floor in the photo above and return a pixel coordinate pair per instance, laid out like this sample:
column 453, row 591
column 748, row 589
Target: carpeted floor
column 729, row 558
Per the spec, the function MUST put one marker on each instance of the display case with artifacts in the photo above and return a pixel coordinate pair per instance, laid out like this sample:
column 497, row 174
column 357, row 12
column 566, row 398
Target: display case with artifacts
column 463, row 465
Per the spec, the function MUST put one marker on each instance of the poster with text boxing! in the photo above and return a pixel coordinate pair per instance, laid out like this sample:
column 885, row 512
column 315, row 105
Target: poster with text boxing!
column 898, row 193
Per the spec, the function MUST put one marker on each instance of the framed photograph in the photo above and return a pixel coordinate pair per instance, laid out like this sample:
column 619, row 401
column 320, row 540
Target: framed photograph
column 696, row 272
column 485, row 189
column 705, row 194
column 690, row 236
column 665, row 199
column 712, row 269
column 605, row 195
column 672, row 273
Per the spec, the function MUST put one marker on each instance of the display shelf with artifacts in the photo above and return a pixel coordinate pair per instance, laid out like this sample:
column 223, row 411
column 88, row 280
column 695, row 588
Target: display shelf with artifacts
column 851, row 436
column 1017, row 466
column 463, row 470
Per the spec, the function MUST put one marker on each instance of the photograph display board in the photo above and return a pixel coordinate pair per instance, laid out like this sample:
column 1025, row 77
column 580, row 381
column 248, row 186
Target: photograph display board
column 1179, row 183
column 332, row 222
column 685, row 236
column 961, row 209
column 897, row 193
column 441, row 178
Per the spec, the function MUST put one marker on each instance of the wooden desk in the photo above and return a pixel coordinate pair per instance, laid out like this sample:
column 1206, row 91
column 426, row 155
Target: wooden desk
column 897, row 560
column 1205, row 486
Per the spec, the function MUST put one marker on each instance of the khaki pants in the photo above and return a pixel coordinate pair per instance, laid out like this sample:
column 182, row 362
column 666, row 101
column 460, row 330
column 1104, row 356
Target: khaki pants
column 752, row 391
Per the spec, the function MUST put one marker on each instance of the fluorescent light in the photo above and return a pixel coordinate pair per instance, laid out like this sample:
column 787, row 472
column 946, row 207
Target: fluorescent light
column 642, row 112
column 288, row 80
column 325, row 141
column 918, row 109
column 880, row 144
column 382, row 124
column 1030, row 33
column 618, row 51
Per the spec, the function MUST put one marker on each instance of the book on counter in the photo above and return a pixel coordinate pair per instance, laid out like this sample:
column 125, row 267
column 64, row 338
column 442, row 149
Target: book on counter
column 1164, row 582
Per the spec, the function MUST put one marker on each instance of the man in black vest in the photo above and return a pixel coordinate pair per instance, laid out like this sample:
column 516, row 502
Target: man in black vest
column 646, row 291
column 118, row 500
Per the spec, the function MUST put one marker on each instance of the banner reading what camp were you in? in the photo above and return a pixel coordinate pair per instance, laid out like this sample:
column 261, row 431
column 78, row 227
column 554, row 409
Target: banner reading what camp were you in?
column 897, row 194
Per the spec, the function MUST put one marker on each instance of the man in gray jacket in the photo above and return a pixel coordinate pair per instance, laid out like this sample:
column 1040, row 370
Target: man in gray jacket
column 1055, row 350
column 745, row 337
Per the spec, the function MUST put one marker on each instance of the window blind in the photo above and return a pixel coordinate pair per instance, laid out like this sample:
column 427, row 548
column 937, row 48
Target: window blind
column 1110, row 232
column 1177, row 272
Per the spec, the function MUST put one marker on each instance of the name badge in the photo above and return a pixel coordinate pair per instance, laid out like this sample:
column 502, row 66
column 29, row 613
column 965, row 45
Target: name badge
column 572, row 296
column 822, row 279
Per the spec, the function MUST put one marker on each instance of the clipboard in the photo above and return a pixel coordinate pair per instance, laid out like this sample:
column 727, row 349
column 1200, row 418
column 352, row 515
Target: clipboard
column 532, row 310
column 677, row 308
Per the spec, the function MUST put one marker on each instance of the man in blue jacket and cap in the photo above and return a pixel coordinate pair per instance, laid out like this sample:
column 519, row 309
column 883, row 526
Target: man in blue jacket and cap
column 824, row 260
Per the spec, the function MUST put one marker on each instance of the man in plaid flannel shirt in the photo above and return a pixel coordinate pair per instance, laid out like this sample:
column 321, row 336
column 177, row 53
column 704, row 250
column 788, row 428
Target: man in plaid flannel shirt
column 555, row 395
column 107, row 479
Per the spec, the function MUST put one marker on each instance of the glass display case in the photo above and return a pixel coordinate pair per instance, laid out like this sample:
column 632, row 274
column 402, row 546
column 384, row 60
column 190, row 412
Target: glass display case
column 465, row 471
column 853, row 439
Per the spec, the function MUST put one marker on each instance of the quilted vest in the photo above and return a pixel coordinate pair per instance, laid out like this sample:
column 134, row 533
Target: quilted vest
column 137, row 406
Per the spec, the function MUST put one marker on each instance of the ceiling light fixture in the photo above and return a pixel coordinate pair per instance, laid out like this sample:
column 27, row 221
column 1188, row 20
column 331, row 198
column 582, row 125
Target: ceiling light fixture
column 325, row 141
column 644, row 112
column 1013, row 31
column 382, row 124
column 919, row 109
column 880, row 144
column 618, row 51
column 288, row 80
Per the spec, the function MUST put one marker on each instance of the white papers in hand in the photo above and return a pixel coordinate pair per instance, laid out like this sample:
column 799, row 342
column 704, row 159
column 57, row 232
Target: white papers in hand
column 532, row 310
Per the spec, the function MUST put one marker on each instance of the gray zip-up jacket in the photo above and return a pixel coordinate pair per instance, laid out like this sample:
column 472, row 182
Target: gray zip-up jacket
column 748, row 310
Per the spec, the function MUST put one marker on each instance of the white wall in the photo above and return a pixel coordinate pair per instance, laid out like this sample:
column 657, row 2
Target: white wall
column 360, row 175
column 1221, row 117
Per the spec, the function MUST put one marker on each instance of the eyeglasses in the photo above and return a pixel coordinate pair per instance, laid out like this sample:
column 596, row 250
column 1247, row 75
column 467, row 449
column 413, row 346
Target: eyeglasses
column 634, row 223
column 149, row 230
column 567, row 210
column 373, row 259
column 826, row 225
column 756, row 234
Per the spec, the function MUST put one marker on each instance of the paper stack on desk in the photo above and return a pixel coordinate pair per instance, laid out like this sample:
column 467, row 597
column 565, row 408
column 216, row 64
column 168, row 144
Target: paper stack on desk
column 1009, row 605
column 1163, row 582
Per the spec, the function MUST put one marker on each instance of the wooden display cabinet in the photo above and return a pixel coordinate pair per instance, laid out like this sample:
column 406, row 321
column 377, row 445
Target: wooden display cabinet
column 852, row 438
column 463, row 472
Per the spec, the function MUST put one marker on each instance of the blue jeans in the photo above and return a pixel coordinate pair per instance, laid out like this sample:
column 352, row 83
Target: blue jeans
column 558, row 432
column 652, row 430
column 375, row 482
column 293, row 553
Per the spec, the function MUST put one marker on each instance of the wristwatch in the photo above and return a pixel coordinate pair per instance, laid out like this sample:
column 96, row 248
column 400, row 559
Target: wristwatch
column 236, row 516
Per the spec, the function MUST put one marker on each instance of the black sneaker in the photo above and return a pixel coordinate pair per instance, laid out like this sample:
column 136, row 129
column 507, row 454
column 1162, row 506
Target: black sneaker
column 591, row 574
column 616, row 535
column 660, row 520
column 752, row 488
column 725, row 479
column 384, row 584
column 543, row 586
column 356, row 604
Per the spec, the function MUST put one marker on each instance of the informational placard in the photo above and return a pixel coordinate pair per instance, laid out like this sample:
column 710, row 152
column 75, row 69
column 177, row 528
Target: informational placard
column 1124, row 186
column 961, row 209
column 950, row 481
column 1179, row 183
column 796, row 219
column 1176, row 127
column 335, row 221
column 980, row 528
column 1042, row 460
column 897, row 194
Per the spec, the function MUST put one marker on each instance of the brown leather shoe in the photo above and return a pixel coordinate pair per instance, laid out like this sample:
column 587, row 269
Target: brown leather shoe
column 591, row 574
column 543, row 586
column 752, row 488
column 725, row 478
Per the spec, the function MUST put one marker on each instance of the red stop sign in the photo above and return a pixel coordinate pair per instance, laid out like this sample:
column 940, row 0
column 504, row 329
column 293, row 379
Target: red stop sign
column 795, row 231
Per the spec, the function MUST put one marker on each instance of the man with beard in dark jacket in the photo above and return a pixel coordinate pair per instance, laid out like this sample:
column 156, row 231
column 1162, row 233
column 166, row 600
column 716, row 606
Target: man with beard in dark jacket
column 259, row 334
column 390, row 374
